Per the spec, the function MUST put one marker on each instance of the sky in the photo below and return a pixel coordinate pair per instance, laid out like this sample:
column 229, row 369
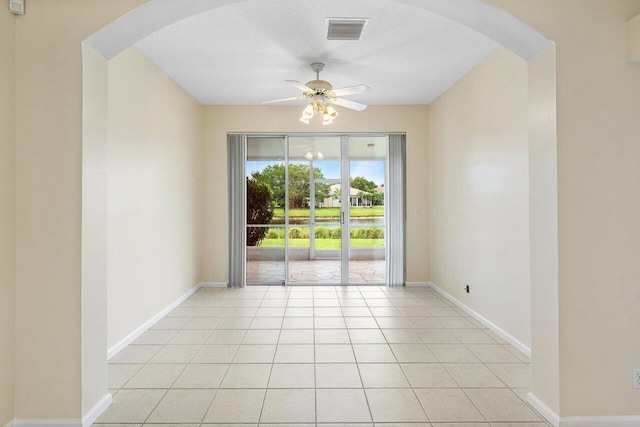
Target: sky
column 373, row 170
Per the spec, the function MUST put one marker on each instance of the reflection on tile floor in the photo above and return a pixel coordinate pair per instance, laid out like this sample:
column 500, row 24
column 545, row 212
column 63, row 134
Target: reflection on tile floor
column 316, row 356
column 316, row 271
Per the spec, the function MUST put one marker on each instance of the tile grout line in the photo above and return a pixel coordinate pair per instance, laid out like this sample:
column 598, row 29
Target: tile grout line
column 481, row 363
column 405, row 374
column 315, row 371
column 465, row 345
column 166, row 390
column 189, row 362
column 273, row 359
column 228, row 365
column 454, row 380
column 439, row 361
column 364, row 391
column 225, row 372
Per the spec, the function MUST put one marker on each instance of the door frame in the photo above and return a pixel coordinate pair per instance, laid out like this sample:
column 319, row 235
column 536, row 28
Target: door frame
column 344, row 219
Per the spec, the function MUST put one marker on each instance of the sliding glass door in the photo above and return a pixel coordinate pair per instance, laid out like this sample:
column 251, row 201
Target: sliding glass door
column 265, row 195
column 367, row 222
column 315, row 210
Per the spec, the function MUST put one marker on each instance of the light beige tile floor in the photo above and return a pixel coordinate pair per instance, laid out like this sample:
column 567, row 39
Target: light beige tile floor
column 319, row 356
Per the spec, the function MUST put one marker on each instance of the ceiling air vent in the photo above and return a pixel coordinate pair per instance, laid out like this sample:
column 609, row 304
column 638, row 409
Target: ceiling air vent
column 345, row 28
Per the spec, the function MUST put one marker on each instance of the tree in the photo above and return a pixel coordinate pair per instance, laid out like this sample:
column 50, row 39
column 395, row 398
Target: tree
column 259, row 210
column 299, row 183
column 364, row 196
column 337, row 194
column 363, row 184
column 377, row 198
column 273, row 176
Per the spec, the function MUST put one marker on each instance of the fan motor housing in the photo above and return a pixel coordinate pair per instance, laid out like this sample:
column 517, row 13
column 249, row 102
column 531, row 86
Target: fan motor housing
column 319, row 84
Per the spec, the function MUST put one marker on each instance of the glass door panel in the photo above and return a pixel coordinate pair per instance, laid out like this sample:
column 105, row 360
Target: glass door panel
column 299, row 221
column 265, row 250
column 314, row 210
column 367, row 164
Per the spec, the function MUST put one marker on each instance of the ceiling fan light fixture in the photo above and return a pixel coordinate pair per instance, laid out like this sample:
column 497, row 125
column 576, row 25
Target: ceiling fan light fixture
column 321, row 95
column 331, row 112
column 319, row 105
column 309, row 155
column 308, row 112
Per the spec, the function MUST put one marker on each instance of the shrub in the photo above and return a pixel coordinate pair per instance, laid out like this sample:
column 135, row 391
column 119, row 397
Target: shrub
column 259, row 210
column 299, row 233
column 335, row 233
column 367, row 233
column 295, row 233
column 275, row 233
column 323, row 232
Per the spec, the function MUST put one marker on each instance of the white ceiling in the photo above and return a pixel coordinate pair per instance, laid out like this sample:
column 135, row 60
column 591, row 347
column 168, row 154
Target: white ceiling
column 241, row 54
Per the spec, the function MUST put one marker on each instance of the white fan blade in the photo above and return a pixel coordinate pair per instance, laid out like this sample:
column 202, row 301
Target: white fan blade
column 299, row 85
column 282, row 100
column 351, row 90
column 348, row 104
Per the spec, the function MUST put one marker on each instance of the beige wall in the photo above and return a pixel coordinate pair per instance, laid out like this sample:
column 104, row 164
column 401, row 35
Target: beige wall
column 7, row 214
column 48, row 222
column 218, row 120
column 153, row 192
column 479, row 192
column 632, row 40
column 599, row 237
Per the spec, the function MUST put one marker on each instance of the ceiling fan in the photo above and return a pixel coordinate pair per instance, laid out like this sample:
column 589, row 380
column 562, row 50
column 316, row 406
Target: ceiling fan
column 322, row 97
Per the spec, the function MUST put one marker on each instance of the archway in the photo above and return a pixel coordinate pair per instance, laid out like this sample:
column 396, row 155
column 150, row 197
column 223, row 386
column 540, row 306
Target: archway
column 475, row 14
column 494, row 23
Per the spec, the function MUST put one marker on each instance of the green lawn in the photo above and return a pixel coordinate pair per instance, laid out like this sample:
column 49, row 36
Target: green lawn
column 323, row 243
column 356, row 211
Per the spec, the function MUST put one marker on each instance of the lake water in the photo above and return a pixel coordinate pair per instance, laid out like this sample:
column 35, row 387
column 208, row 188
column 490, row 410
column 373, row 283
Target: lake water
column 333, row 222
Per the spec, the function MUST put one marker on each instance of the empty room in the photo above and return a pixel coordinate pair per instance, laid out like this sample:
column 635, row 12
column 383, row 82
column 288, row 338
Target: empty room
column 365, row 213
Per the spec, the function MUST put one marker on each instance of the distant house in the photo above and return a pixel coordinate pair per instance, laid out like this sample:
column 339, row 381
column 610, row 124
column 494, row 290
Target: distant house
column 355, row 197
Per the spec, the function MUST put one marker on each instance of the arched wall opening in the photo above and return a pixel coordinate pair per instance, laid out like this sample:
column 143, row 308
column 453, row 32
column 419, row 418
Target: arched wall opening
column 501, row 27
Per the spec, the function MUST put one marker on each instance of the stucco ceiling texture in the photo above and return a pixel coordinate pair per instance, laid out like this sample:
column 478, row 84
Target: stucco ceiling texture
column 241, row 54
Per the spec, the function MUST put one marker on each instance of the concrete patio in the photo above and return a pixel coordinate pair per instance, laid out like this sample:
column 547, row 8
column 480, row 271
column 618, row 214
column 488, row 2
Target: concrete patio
column 316, row 272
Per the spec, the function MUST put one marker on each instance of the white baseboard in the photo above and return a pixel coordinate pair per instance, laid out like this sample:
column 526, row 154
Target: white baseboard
column 601, row 421
column 499, row 331
column 543, row 409
column 149, row 323
column 213, row 284
column 411, row 284
column 45, row 422
column 87, row 421
column 97, row 410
